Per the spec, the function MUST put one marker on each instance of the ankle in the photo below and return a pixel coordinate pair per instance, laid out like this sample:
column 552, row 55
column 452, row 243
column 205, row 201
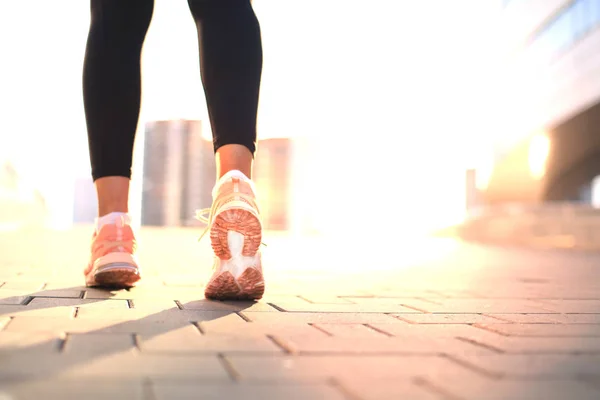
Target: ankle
column 113, row 194
column 234, row 157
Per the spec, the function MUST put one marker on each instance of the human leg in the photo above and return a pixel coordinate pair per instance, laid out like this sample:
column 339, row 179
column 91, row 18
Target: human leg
column 111, row 93
column 231, row 66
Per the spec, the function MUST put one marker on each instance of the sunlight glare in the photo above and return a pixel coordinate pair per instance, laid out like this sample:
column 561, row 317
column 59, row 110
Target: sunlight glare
column 539, row 149
column 389, row 106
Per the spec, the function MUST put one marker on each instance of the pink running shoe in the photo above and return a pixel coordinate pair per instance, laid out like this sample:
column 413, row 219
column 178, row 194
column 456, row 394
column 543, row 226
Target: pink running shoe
column 235, row 233
column 113, row 263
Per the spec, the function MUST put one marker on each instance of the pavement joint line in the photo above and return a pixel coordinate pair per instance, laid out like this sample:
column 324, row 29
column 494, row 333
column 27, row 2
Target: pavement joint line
column 130, row 303
column 415, row 308
column 243, row 316
column 479, row 344
column 277, row 307
column 429, row 386
column 2, row 284
column 321, row 329
column 340, row 387
column 402, row 319
column 305, row 299
column 282, row 345
column 473, row 367
column 75, row 312
column 26, row 301
column 79, row 297
column 198, row 326
column 135, row 339
column 392, row 314
column 373, row 328
column 488, row 329
column 229, row 368
column 62, row 342
column 4, row 325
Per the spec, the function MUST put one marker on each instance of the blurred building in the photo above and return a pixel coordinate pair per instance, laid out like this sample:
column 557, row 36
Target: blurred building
column 548, row 106
column 288, row 173
column 179, row 173
column 85, row 204
column 271, row 174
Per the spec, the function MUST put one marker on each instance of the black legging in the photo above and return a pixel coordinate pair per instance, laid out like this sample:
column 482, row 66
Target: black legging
column 230, row 64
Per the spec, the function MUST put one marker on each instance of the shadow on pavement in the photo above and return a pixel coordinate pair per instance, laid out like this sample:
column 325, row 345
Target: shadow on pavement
column 88, row 345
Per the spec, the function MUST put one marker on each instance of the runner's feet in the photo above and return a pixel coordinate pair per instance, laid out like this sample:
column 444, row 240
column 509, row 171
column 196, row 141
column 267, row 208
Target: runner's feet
column 235, row 233
column 113, row 263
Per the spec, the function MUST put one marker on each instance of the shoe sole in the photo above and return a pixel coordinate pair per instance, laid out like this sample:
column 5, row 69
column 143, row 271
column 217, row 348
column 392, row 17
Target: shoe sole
column 116, row 275
column 249, row 285
column 114, row 270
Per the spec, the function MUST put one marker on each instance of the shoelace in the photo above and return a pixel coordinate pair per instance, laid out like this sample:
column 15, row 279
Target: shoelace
column 112, row 243
column 201, row 216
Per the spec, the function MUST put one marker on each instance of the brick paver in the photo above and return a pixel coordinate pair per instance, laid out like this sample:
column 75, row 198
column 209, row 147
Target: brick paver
column 462, row 322
column 383, row 389
column 89, row 389
column 559, row 366
column 324, row 367
column 189, row 340
column 12, row 297
column 449, row 318
column 545, row 330
column 246, row 391
column 483, row 388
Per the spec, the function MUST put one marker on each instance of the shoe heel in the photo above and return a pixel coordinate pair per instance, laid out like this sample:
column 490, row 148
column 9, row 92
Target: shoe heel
column 118, row 270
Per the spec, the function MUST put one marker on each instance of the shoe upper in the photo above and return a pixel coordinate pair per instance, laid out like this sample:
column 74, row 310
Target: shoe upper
column 230, row 190
column 110, row 238
column 235, row 190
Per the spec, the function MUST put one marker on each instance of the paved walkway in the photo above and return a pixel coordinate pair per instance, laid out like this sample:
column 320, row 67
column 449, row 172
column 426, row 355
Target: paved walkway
column 408, row 319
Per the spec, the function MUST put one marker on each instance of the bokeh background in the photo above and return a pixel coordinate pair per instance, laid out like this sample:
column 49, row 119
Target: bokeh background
column 380, row 113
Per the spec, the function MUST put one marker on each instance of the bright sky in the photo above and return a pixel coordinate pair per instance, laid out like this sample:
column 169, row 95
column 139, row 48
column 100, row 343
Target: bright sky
column 392, row 84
